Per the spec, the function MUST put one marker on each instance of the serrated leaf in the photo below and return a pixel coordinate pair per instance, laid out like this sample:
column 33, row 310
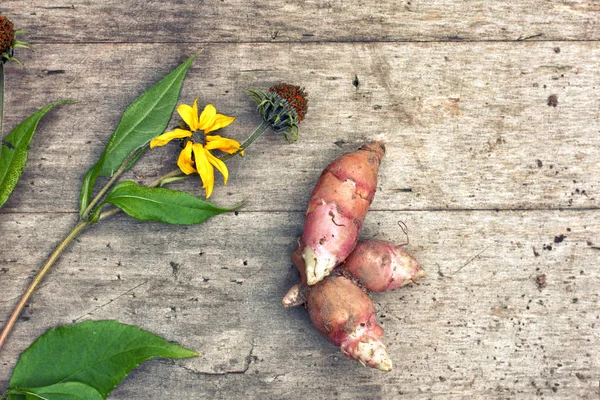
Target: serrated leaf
column 99, row 354
column 162, row 205
column 15, row 149
column 61, row 391
column 146, row 118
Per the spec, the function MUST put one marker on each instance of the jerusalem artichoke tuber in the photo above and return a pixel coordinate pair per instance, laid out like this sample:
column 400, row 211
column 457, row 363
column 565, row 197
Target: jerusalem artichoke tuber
column 337, row 303
column 382, row 266
column 345, row 314
column 337, row 208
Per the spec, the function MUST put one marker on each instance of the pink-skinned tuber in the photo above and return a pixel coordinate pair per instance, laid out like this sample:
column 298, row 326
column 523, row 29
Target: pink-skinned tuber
column 337, row 300
column 337, row 208
column 345, row 314
column 376, row 265
column 381, row 266
column 339, row 307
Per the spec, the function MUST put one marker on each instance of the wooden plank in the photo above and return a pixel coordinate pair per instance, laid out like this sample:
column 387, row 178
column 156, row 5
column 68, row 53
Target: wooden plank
column 468, row 125
column 479, row 326
column 85, row 21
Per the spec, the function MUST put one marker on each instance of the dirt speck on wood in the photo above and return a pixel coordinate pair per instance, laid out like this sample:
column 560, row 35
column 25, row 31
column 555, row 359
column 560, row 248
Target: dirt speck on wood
column 541, row 281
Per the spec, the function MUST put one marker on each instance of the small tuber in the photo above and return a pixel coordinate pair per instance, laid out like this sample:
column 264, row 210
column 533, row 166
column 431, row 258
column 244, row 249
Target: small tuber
column 345, row 314
column 342, row 311
column 382, row 266
column 376, row 265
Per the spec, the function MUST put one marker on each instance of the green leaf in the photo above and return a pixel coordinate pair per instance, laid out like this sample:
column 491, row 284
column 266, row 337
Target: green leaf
column 99, row 354
column 160, row 204
column 15, row 149
column 61, row 391
column 146, row 118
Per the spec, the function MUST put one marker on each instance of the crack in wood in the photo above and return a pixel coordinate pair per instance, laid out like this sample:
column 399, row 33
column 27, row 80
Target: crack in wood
column 19, row 296
column 110, row 301
column 471, row 260
column 372, row 210
column 249, row 360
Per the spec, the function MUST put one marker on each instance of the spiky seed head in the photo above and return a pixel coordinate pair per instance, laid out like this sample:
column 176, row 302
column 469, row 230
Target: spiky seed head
column 7, row 34
column 282, row 107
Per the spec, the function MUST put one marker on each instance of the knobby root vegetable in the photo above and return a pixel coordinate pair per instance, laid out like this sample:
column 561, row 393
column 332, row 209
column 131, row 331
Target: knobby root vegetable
column 337, row 208
column 296, row 295
column 339, row 307
column 345, row 314
column 376, row 265
column 337, row 303
column 381, row 266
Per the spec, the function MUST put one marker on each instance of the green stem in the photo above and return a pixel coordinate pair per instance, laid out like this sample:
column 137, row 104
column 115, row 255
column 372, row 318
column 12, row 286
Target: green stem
column 77, row 229
column 111, row 182
column 172, row 174
column 83, row 223
column 255, row 135
column 1, row 95
column 156, row 183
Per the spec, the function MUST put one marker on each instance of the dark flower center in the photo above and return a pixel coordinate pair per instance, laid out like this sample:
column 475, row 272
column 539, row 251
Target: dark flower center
column 7, row 34
column 294, row 95
column 199, row 137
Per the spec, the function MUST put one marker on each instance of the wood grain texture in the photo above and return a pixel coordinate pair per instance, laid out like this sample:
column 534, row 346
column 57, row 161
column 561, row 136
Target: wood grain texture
column 490, row 111
column 467, row 126
column 85, row 21
column 478, row 326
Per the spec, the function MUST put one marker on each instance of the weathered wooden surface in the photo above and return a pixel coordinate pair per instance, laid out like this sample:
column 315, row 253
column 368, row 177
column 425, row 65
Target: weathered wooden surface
column 478, row 325
column 313, row 20
column 467, row 125
column 482, row 170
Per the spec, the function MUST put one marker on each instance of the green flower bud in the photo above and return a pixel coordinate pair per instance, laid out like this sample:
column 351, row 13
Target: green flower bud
column 282, row 107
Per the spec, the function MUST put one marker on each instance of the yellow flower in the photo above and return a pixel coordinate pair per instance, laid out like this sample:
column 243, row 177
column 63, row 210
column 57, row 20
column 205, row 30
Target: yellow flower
column 196, row 155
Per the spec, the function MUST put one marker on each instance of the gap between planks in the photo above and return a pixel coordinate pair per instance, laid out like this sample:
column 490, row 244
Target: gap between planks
column 405, row 210
column 325, row 41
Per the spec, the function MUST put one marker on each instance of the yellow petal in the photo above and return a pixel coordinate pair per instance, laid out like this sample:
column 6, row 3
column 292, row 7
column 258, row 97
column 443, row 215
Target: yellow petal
column 207, row 118
column 221, row 121
column 185, row 162
column 216, row 142
column 168, row 136
column 189, row 115
column 205, row 169
column 220, row 165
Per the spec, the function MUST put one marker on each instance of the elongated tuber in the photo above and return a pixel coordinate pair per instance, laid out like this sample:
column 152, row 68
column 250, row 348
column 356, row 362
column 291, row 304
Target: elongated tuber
column 337, row 208
column 382, row 266
column 345, row 314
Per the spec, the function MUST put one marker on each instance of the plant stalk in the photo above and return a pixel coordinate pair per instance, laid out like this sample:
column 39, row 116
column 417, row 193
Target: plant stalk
column 77, row 229
column 14, row 316
column 255, row 135
column 156, row 183
column 83, row 223
column 111, row 182
column 1, row 97
column 172, row 174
